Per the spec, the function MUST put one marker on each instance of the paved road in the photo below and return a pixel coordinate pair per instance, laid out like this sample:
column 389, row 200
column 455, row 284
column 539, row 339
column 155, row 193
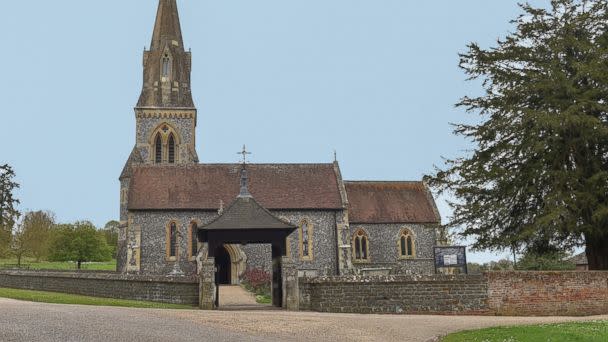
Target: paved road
column 25, row 321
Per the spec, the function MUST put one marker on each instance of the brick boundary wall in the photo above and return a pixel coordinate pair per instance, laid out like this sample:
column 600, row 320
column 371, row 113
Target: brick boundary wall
column 174, row 290
column 575, row 293
column 429, row 294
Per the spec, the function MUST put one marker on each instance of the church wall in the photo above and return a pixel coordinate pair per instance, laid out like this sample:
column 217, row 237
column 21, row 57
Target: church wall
column 153, row 239
column 184, row 127
column 384, row 248
column 324, row 259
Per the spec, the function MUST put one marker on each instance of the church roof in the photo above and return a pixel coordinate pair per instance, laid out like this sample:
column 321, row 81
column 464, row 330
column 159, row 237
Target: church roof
column 390, row 202
column 134, row 158
column 246, row 213
column 205, row 186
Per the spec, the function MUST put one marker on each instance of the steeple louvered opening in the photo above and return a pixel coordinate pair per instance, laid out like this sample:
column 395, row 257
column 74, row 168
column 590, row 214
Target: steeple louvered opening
column 164, row 145
column 167, row 65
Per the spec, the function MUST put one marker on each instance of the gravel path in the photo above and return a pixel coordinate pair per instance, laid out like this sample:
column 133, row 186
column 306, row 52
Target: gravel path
column 25, row 321
column 234, row 295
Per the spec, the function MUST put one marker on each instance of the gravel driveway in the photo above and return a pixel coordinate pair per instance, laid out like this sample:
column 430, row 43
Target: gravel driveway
column 26, row 321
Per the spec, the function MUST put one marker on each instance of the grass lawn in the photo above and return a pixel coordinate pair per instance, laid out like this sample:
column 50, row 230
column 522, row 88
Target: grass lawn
column 62, row 266
column 595, row 331
column 62, row 298
column 263, row 299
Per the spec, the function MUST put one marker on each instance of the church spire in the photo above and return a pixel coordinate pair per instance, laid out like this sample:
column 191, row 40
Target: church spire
column 167, row 64
column 167, row 27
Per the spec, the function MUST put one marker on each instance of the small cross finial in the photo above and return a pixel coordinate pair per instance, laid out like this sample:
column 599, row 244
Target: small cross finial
column 244, row 153
column 335, row 156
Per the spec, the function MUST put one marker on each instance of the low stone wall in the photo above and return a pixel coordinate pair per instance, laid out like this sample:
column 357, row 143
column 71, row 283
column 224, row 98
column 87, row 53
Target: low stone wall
column 575, row 293
column 395, row 294
column 175, row 290
column 495, row 293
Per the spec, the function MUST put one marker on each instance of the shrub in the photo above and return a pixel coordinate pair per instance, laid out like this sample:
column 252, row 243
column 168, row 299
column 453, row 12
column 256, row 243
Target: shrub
column 552, row 261
column 257, row 281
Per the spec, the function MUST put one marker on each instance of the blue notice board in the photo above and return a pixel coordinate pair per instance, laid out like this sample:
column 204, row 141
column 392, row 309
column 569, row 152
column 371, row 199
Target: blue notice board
column 451, row 257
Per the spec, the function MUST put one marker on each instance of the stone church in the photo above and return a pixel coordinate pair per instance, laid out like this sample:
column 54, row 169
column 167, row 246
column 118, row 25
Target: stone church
column 167, row 197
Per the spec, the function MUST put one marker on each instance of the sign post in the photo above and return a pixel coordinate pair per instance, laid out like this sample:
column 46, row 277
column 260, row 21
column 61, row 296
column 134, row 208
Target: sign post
column 451, row 257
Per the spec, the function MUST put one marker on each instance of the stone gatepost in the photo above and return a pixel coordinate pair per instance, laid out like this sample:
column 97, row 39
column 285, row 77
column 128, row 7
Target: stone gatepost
column 291, row 292
column 206, row 284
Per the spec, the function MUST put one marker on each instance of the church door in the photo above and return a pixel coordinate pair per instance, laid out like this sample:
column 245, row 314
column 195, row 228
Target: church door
column 223, row 266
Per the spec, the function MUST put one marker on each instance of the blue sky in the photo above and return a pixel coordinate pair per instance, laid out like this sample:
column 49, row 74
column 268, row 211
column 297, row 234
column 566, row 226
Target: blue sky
column 376, row 80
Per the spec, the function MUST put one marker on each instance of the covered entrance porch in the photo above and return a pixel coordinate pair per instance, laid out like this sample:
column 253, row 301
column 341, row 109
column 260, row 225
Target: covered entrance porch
column 244, row 222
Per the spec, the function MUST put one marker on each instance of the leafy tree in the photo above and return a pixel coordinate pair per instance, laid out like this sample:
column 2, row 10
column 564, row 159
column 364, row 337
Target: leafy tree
column 8, row 213
column 110, row 232
column 79, row 242
column 36, row 233
column 500, row 265
column 549, row 261
column 539, row 172
column 18, row 246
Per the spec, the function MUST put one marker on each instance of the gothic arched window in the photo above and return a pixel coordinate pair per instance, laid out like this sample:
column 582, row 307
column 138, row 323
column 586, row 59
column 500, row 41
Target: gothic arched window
column 158, row 149
column 193, row 240
column 166, row 69
column 305, row 240
column 172, row 241
column 171, row 148
column 164, row 145
column 360, row 246
column 407, row 248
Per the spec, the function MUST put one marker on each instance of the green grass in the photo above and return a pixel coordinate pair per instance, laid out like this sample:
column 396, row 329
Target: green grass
column 263, row 299
column 595, row 331
column 60, row 266
column 62, row 298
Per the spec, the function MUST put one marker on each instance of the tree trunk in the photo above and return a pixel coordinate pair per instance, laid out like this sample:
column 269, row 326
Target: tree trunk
column 79, row 264
column 18, row 260
column 597, row 251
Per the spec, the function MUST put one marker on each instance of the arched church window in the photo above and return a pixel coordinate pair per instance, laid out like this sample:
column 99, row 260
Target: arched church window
column 406, row 244
column 305, row 240
column 171, row 147
column 360, row 246
column 158, row 149
column 164, row 143
column 172, row 241
column 193, row 239
column 166, row 69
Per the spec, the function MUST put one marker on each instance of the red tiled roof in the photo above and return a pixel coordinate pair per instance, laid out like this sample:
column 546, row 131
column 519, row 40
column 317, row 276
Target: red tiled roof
column 203, row 186
column 390, row 202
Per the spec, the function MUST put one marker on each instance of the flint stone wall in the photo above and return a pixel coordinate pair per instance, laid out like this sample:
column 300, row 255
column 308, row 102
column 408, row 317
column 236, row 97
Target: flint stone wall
column 395, row 294
column 494, row 293
column 384, row 248
column 182, row 290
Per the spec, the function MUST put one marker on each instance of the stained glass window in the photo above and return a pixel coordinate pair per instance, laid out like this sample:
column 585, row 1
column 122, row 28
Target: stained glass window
column 171, row 147
column 361, row 246
column 158, row 149
column 173, row 241
column 194, row 239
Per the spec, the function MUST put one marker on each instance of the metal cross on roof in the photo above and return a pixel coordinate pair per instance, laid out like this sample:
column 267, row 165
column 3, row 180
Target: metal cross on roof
column 244, row 153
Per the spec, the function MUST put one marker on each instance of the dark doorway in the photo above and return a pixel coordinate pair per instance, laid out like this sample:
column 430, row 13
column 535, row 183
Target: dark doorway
column 223, row 266
column 277, row 280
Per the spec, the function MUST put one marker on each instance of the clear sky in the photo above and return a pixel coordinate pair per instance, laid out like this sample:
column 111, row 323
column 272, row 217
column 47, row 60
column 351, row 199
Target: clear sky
column 376, row 80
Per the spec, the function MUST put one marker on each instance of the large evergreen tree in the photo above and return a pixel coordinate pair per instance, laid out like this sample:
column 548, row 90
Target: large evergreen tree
column 538, row 175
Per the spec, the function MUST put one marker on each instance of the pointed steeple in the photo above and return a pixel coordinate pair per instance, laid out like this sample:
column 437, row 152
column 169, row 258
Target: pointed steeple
column 167, row 64
column 167, row 27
